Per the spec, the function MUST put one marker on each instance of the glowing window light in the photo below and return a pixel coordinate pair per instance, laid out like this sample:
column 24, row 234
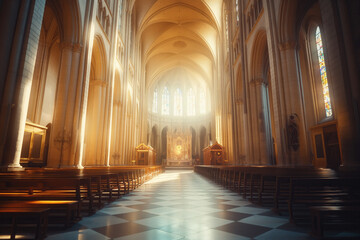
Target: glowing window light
column 191, row 103
column 202, row 101
column 237, row 11
column 323, row 75
column 178, row 103
column 227, row 31
column 165, row 102
column 155, row 101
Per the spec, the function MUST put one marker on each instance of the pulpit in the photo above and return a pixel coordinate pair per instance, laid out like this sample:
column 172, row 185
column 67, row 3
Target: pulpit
column 214, row 155
column 145, row 155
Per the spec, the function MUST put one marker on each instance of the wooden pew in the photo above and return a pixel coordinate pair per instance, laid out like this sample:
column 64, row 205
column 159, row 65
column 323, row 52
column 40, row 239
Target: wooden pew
column 337, row 216
column 65, row 212
column 48, row 187
column 38, row 216
column 308, row 192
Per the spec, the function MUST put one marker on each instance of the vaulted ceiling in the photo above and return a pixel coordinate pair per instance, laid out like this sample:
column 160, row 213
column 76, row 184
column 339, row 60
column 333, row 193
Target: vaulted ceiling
column 178, row 34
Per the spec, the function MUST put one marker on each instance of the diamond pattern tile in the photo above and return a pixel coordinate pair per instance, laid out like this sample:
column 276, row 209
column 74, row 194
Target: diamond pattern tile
column 180, row 204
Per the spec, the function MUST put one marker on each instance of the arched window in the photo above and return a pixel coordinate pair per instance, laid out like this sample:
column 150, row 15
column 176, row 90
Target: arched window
column 202, row 101
column 227, row 30
column 323, row 74
column 191, row 103
column 237, row 11
column 178, row 103
column 120, row 14
column 155, row 101
column 165, row 102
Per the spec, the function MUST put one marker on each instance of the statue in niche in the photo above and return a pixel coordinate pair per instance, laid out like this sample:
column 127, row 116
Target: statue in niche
column 293, row 132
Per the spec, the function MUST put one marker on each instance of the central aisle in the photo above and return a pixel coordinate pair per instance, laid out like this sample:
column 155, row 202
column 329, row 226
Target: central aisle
column 179, row 204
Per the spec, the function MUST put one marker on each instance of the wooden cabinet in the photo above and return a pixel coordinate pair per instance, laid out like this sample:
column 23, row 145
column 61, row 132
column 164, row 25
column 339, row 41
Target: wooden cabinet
column 214, row 155
column 145, row 155
column 32, row 152
column 326, row 146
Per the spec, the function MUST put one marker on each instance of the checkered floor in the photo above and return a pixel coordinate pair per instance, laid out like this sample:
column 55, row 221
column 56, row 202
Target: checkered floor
column 181, row 204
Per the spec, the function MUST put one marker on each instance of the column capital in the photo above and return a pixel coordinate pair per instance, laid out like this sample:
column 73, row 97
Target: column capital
column 287, row 45
column 75, row 47
column 257, row 81
column 98, row 82
column 117, row 103
column 238, row 100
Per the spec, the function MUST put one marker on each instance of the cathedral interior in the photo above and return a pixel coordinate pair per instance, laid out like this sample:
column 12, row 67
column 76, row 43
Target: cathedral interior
column 180, row 119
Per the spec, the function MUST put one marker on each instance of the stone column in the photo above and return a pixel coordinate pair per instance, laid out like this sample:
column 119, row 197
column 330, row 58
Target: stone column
column 60, row 136
column 345, row 106
column 72, row 116
column 292, row 89
column 22, row 23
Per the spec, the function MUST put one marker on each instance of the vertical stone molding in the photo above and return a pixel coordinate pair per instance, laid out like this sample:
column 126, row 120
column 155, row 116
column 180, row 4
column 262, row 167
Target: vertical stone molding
column 64, row 133
column 294, row 103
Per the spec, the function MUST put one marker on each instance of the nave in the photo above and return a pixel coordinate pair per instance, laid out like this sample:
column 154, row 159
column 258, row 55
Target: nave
column 180, row 204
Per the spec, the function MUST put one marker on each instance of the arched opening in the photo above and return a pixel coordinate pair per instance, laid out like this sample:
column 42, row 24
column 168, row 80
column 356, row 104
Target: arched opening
column 269, row 110
column 94, row 131
column 44, row 87
column 320, row 118
column 264, row 140
column 202, row 139
column 240, row 142
column 46, row 74
column 154, row 139
column 148, row 134
column 164, row 143
column 194, row 154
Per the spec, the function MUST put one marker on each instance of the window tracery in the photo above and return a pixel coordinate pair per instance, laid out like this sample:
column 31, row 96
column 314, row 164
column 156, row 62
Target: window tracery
column 202, row 101
column 191, row 103
column 178, row 111
column 165, row 102
column 323, row 73
column 155, row 101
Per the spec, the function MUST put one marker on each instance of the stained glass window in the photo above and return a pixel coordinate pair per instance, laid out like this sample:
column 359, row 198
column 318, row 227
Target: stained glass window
column 323, row 75
column 155, row 101
column 202, row 101
column 227, row 31
column 191, row 103
column 165, row 110
column 237, row 11
column 178, row 103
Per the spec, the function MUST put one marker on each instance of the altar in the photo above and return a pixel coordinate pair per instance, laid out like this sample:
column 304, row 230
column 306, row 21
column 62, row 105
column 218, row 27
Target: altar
column 179, row 148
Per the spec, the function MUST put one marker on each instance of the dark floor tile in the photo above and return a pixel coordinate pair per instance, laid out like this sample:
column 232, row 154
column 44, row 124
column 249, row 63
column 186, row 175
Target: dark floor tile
column 133, row 216
column 243, row 229
column 292, row 227
column 53, row 229
column 222, row 206
column 234, row 216
column 120, row 230
column 270, row 213
column 144, row 206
